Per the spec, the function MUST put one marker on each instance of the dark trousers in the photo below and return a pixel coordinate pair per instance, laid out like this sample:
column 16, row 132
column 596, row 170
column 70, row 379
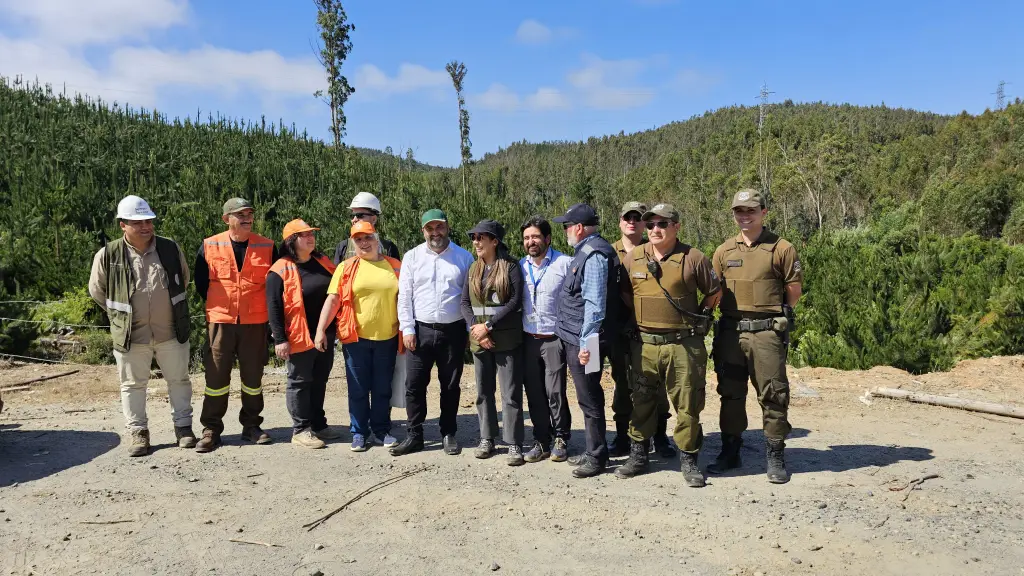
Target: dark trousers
column 505, row 368
column 226, row 343
column 443, row 345
column 544, row 381
column 590, row 396
column 307, row 386
column 369, row 367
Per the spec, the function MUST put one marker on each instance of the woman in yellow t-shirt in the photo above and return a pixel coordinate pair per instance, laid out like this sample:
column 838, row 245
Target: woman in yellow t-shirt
column 363, row 299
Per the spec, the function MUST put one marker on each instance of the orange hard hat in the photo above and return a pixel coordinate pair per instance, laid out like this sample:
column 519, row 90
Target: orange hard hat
column 296, row 226
column 362, row 227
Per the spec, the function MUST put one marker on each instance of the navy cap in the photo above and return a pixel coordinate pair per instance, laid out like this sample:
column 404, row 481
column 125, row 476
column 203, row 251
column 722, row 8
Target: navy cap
column 491, row 227
column 578, row 214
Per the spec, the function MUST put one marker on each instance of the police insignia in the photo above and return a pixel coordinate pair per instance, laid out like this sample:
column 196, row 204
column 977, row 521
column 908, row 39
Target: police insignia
column 796, row 266
column 734, row 263
column 743, row 196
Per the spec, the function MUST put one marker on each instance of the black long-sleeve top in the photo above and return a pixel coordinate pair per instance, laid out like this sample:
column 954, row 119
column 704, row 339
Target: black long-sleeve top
column 515, row 299
column 201, row 271
column 314, row 279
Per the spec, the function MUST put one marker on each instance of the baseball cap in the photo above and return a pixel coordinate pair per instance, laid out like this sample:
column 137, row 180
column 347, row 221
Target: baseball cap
column 748, row 198
column 664, row 210
column 361, row 227
column 578, row 214
column 236, row 205
column 632, row 206
column 491, row 227
column 134, row 208
column 433, row 215
column 295, row 227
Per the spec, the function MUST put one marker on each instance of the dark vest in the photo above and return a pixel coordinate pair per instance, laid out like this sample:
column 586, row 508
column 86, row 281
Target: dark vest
column 570, row 299
column 507, row 334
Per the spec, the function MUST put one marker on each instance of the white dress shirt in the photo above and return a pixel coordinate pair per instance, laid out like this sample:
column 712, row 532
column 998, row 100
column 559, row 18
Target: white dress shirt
column 543, row 283
column 430, row 286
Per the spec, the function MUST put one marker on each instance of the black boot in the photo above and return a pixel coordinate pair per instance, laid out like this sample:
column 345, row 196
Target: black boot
column 691, row 472
column 588, row 466
column 729, row 458
column 412, row 443
column 662, row 445
column 620, row 446
column 637, row 463
column 774, row 449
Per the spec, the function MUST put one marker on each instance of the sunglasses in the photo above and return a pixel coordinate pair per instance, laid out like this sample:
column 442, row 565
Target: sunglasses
column 663, row 224
column 632, row 217
column 362, row 215
column 475, row 237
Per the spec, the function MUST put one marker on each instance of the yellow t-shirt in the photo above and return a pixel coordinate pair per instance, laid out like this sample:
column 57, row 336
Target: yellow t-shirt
column 375, row 299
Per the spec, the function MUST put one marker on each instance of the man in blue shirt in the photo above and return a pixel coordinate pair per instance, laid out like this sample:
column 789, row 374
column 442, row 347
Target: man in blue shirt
column 544, row 270
column 584, row 307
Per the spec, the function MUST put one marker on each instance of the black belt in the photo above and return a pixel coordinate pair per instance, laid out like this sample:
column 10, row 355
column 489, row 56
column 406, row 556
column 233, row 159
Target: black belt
column 544, row 337
column 747, row 325
column 439, row 325
column 667, row 337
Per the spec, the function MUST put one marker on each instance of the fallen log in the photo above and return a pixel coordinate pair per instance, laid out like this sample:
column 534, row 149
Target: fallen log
column 45, row 378
column 15, row 389
column 949, row 402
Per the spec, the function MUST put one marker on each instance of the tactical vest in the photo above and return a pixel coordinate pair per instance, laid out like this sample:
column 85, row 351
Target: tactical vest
column 506, row 334
column 121, row 288
column 749, row 280
column 570, row 298
column 237, row 297
column 653, row 310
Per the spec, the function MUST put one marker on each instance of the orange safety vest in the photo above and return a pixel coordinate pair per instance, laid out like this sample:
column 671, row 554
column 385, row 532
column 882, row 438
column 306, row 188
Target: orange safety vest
column 347, row 327
column 237, row 297
column 295, row 325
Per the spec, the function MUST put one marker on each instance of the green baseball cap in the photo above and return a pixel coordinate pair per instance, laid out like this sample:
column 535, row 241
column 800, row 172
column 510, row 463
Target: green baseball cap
column 664, row 210
column 433, row 215
column 237, row 205
column 632, row 206
column 748, row 198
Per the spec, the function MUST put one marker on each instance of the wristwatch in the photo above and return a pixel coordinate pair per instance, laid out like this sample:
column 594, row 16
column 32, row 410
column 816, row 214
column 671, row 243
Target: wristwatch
column 488, row 325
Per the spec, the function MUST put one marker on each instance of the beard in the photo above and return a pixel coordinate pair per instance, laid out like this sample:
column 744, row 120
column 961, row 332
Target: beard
column 438, row 242
column 535, row 250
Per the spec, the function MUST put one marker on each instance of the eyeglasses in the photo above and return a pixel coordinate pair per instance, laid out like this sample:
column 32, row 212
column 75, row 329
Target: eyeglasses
column 567, row 225
column 632, row 217
column 362, row 215
column 663, row 224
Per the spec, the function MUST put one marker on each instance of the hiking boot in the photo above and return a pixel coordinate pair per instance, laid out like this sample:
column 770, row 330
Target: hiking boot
column 185, row 437
column 139, row 444
column 691, row 472
column 560, row 451
column 621, row 444
column 775, row 452
column 451, row 445
column 209, row 442
column 588, row 466
column 306, row 439
column 537, row 453
column 255, row 435
column 328, row 433
column 729, row 458
column 412, row 443
column 637, row 463
column 485, row 449
column 515, row 455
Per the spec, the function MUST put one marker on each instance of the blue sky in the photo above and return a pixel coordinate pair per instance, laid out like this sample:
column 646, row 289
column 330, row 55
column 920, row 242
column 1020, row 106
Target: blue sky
column 548, row 70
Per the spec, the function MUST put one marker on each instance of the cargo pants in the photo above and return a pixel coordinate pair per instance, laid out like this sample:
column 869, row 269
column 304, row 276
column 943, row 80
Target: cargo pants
column 762, row 357
column 224, row 344
column 622, row 401
column 678, row 368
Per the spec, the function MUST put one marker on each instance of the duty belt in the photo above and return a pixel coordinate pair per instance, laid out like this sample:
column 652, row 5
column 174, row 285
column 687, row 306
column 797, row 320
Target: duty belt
column 667, row 337
column 747, row 325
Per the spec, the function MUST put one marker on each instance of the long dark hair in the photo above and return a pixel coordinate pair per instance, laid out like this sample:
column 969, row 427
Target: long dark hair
column 288, row 249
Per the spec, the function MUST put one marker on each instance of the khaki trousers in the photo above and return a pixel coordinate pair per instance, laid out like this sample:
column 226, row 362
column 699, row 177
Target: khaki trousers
column 133, row 371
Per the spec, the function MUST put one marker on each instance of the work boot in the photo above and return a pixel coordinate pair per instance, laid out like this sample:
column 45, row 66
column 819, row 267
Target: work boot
column 412, row 443
column 256, row 435
column 139, row 445
column 730, row 455
column 587, row 466
column 185, row 437
column 691, row 472
column 620, row 446
column 662, row 445
column 637, row 463
column 209, row 442
column 307, row 439
column 774, row 450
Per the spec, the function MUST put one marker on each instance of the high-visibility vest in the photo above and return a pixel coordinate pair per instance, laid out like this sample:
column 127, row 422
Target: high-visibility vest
column 348, row 328
column 237, row 297
column 295, row 325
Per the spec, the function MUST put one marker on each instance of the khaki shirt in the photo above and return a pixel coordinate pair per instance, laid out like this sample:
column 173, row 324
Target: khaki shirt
column 152, row 318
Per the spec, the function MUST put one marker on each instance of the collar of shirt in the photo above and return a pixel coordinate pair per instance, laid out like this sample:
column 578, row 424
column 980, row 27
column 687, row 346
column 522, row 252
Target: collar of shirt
column 579, row 244
column 548, row 257
column 150, row 248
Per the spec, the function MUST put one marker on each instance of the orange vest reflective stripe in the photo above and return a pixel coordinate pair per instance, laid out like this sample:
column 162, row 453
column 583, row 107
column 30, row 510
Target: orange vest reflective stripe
column 347, row 326
column 295, row 325
column 233, row 296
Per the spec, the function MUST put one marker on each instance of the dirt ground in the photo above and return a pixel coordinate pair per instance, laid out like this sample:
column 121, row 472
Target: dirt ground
column 71, row 502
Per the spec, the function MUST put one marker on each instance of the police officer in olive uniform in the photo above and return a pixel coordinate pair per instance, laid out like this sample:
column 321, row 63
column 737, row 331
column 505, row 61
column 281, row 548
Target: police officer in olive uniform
column 662, row 282
column 761, row 279
column 632, row 228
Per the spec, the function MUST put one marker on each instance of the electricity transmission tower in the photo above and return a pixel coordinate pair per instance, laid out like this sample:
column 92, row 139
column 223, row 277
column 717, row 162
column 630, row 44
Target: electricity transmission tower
column 763, row 97
column 1000, row 95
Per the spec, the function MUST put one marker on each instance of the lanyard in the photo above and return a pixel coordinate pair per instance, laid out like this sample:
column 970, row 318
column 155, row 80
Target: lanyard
column 536, row 282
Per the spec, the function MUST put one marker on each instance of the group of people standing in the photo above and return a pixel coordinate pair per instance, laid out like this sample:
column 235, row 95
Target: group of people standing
column 644, row 305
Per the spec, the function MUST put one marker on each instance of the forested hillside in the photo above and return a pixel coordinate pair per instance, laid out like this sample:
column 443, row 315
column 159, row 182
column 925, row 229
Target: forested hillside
column 910, row 224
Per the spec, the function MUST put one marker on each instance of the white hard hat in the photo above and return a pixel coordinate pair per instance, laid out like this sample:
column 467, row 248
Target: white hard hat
column 134, row 208
column 365, row 200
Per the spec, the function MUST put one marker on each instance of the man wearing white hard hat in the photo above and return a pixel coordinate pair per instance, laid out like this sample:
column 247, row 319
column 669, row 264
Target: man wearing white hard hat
column 365, row 207
column 140, row 280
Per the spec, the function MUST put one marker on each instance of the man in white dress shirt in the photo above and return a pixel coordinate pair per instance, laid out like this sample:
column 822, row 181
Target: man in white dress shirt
column 544, row 270
column 430, row 319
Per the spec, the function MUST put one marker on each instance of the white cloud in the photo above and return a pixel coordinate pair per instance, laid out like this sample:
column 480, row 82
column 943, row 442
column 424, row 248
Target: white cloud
column 371, row 80
column 533, row 32
column 497, row 97
column 691, row 81
column 609, row 84
column 547, row 99
column 83, row 22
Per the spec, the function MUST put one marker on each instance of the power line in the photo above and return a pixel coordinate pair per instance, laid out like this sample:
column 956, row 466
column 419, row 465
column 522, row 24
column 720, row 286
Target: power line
column 1000, row 94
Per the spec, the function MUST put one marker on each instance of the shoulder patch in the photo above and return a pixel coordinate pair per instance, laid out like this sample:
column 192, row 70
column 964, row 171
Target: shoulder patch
column 796, row 266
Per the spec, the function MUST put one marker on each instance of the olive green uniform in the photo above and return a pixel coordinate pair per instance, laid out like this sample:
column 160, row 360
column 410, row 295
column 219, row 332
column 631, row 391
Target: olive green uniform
column 668, row 354
column 752, row 335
